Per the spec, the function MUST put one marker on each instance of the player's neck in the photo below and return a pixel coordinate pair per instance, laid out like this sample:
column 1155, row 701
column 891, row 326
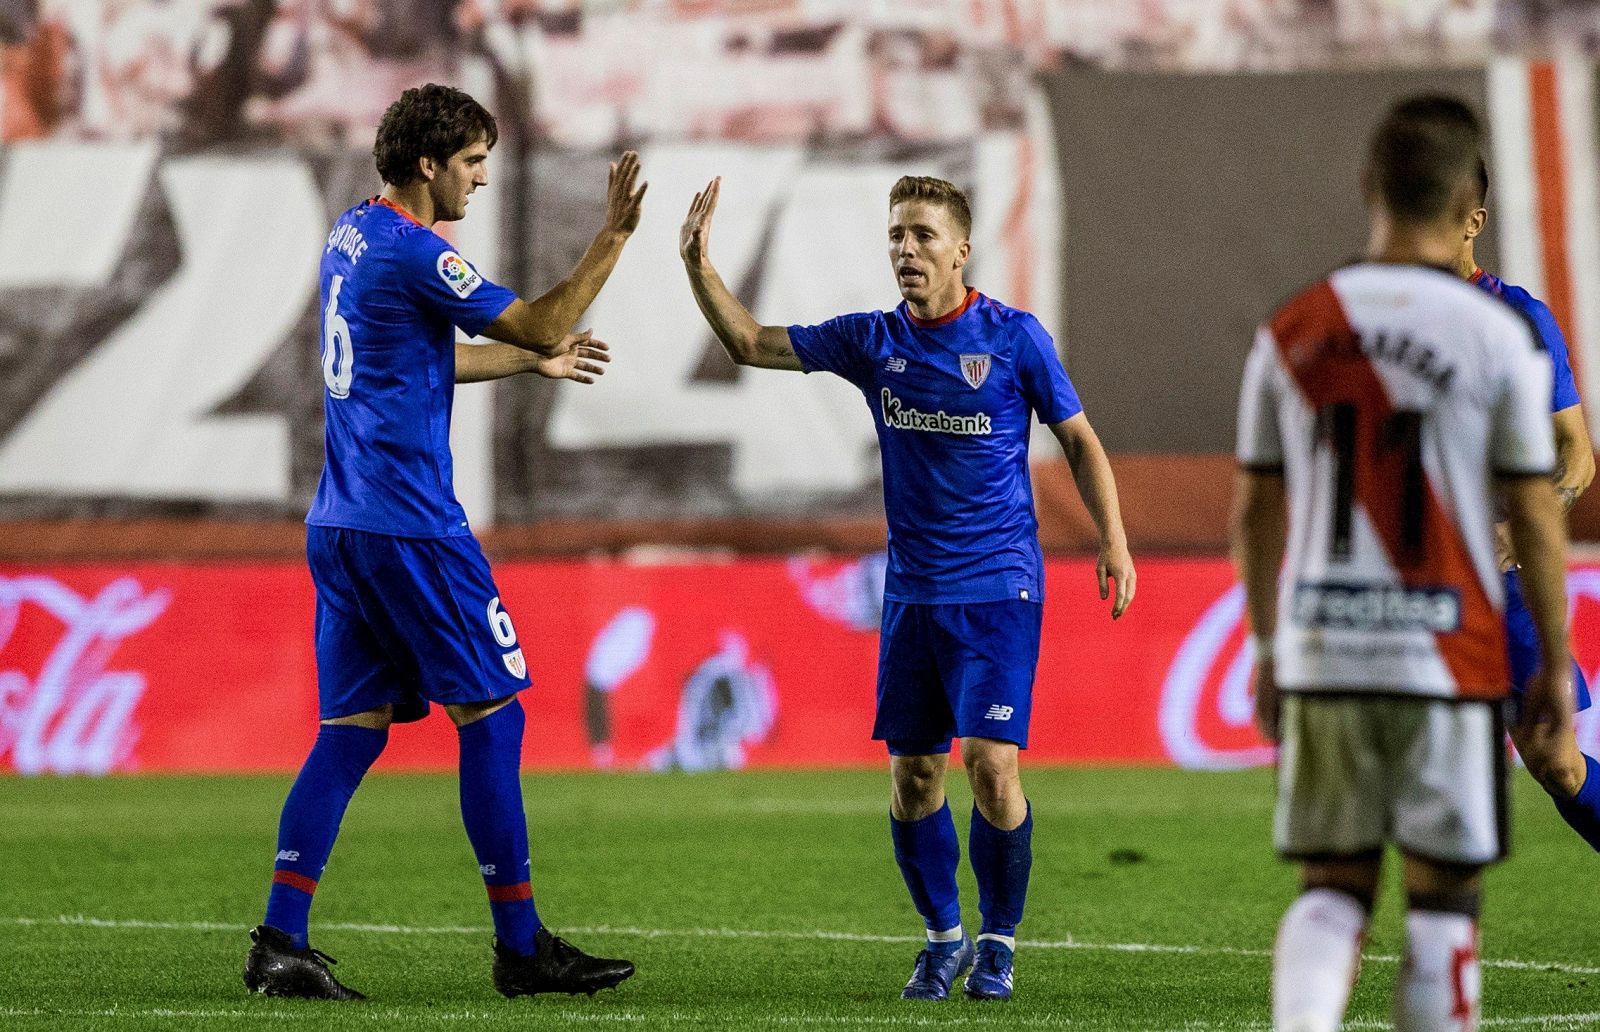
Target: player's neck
column 1466, row 264
column 941, row 304
column 1414, row 243
column 414, row 199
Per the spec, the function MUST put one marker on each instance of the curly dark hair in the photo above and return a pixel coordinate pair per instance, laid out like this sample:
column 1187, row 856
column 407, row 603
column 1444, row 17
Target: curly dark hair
column 429, row 121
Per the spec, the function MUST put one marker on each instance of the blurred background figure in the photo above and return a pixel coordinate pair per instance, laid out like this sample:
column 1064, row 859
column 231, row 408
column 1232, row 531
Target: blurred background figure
column 729, row 703
column 617, row 653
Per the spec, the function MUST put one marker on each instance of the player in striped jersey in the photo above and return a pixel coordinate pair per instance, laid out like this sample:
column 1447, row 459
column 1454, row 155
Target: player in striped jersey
column 1571, row 777
column 1383, row 409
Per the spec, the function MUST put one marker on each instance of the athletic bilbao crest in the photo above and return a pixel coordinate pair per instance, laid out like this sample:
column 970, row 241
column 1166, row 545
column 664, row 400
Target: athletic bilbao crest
column 515, row 664
column 975, row 368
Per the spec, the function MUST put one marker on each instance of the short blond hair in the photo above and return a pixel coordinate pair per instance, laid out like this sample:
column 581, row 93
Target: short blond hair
column 937, row 191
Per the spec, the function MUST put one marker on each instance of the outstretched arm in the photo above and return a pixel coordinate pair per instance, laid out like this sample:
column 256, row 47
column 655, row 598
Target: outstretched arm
column 1098, row 488
column 579, row 358
column 746, row 341
column 537, row 325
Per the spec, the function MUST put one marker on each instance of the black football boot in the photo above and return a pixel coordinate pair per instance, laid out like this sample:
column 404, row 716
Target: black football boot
column 273, row 967
column 556, row 966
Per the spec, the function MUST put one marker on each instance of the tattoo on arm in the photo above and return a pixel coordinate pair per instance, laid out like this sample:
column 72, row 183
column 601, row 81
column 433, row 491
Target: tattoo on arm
column 1568, row 496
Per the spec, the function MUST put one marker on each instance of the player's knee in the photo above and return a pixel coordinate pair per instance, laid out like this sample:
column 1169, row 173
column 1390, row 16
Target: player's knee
column 1466, row 900
column 1364, row 896
column 1354, row 876
column 918, row 785
column 994, row 780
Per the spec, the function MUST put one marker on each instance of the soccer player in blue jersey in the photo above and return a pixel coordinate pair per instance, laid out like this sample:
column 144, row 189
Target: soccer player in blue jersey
column 407, row 611
column 1571, row 777
column 951, row 377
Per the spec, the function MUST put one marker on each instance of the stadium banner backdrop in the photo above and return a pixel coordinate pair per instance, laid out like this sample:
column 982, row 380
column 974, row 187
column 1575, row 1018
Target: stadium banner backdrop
column 159, row 347
column 666, row 666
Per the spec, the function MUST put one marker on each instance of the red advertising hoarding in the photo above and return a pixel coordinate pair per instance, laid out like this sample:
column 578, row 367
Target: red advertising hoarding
column 693, row 665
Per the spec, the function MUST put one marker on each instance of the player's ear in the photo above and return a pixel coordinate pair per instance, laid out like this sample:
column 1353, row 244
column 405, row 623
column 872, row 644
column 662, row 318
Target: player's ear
column 1476, row 222
column 963, row 252
column 430, row 168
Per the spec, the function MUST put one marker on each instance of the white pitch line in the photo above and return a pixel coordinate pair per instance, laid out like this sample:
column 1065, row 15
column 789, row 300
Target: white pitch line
column 78, row 920
column 1551, row 1022
column 391, row 1014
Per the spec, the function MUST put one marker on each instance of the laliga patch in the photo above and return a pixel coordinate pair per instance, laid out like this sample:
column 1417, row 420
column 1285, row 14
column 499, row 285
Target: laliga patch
column 976, row 369
column 459, row 276
column 515, row 663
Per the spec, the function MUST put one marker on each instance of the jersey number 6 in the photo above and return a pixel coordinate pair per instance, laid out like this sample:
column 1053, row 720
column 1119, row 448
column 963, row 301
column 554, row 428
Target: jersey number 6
column 338, row 351
column 500, row 624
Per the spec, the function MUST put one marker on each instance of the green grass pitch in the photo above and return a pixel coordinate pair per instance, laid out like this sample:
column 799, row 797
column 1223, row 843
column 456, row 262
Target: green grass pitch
column 749, row 901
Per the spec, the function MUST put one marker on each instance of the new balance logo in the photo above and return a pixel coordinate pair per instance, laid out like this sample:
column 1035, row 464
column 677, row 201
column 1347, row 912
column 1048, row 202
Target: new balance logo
column 895, row 365
column 290, row 855
column 998, row 712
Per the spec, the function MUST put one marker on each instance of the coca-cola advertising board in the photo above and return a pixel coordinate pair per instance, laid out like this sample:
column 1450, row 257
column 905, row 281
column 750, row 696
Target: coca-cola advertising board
column 669, row 666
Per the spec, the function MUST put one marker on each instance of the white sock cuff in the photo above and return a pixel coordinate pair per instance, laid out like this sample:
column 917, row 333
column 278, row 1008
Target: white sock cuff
column 1008, row 941
column 1335, row 910
column 948, row 935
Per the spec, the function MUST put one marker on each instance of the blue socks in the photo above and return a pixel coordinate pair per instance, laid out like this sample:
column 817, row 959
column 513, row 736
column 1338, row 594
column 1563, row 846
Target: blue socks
column 927, row 851
column 491, row 809
column 311, row 817
column 1582, row 811
column 1002, row 861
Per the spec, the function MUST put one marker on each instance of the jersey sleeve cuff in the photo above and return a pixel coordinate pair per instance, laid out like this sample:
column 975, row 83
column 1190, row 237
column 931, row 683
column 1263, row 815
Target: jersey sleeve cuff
column 477, row 327
column 798, row 337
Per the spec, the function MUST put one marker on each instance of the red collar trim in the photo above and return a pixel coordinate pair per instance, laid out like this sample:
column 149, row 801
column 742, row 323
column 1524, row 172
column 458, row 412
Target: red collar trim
column 948, row 317
column 386, row 203
column 1477, row 275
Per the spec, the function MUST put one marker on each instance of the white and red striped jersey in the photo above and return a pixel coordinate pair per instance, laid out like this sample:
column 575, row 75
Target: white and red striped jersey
column 1390, row 396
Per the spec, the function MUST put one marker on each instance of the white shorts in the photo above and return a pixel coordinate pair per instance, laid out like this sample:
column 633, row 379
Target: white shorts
column 1358, row 771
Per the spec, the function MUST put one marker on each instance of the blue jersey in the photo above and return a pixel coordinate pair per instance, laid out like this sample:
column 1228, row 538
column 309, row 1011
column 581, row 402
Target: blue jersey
column 1564, row 393
column 393, row 293
column 951, row 399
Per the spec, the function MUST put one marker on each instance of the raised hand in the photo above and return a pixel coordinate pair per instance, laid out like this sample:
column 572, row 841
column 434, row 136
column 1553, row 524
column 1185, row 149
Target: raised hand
column 694, row 240
column 623, row 202
column 579, row 358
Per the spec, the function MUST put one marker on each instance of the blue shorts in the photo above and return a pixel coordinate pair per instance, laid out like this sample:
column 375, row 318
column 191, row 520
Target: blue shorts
column 963, row 669
column 406, row 621
column 1522, row 644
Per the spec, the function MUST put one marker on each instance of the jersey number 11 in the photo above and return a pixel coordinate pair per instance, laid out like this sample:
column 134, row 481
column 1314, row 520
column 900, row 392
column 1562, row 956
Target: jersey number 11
column 1340, row 428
